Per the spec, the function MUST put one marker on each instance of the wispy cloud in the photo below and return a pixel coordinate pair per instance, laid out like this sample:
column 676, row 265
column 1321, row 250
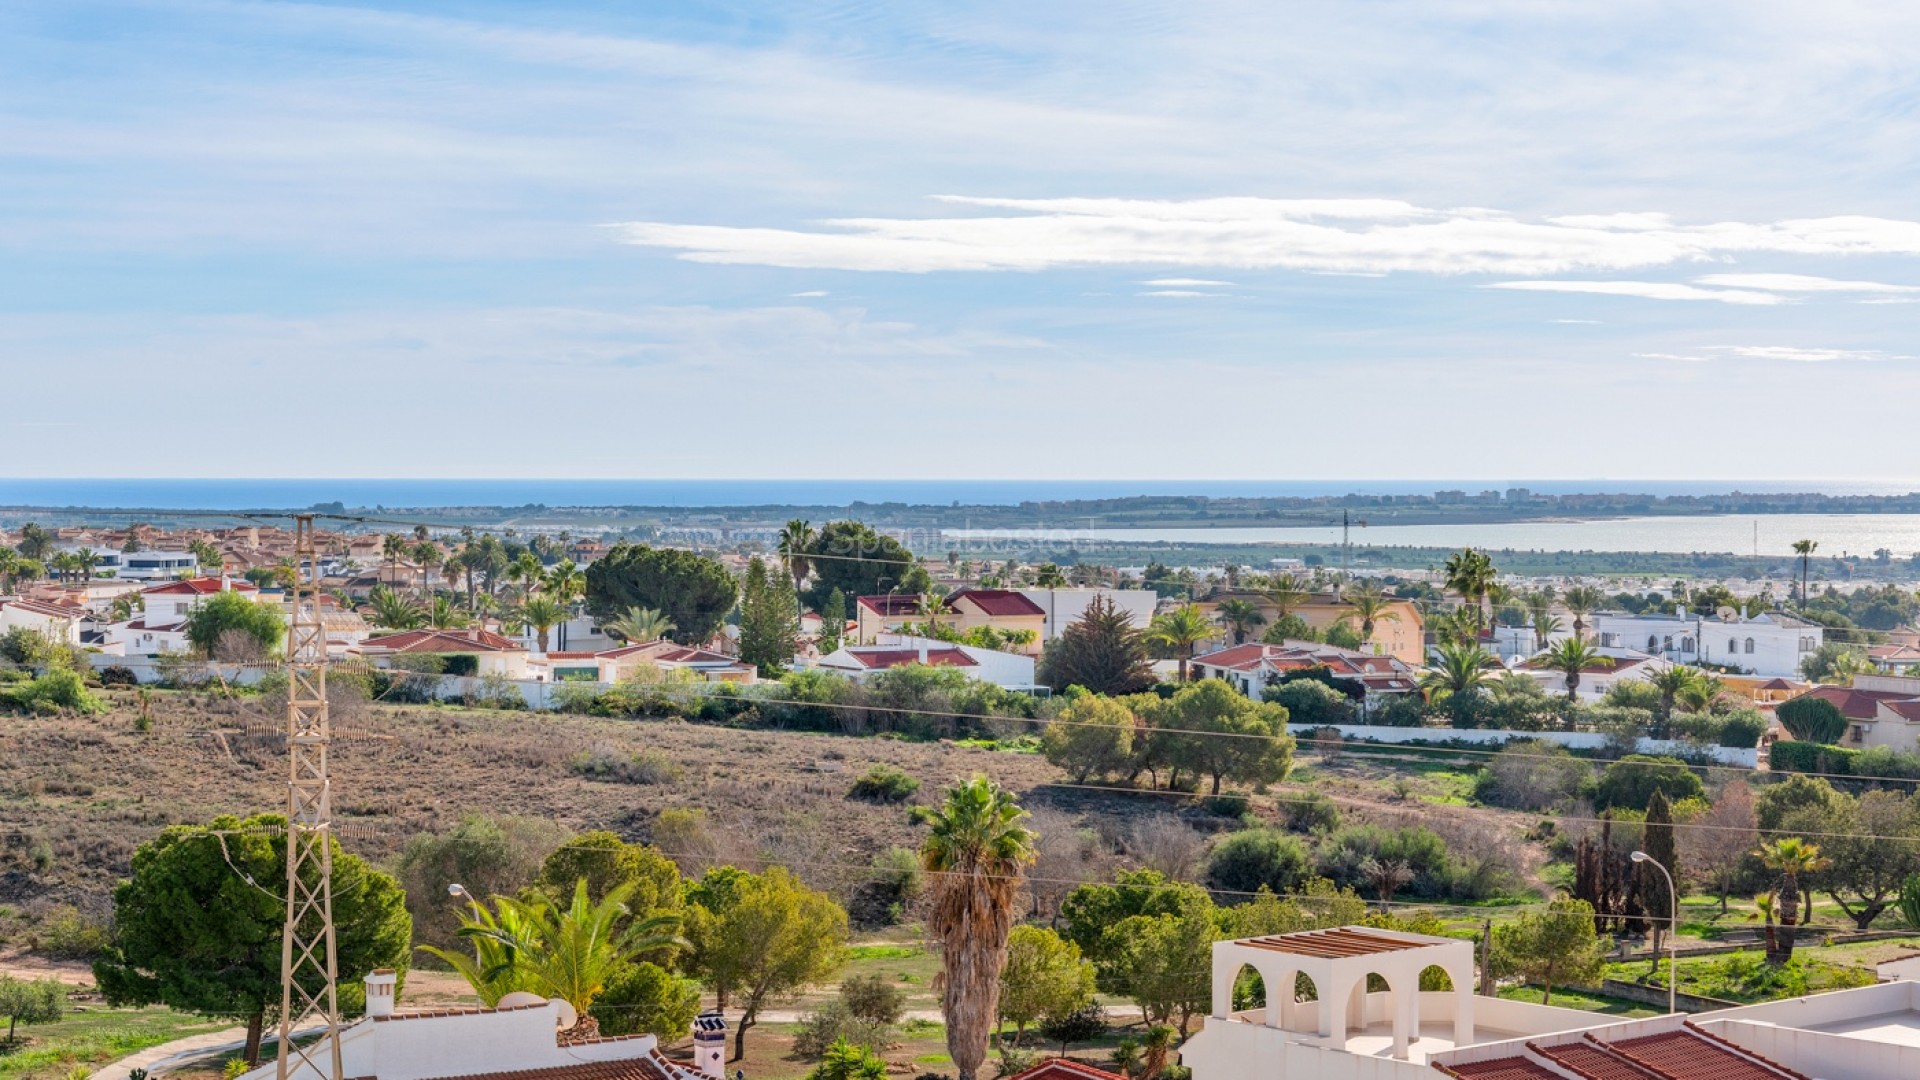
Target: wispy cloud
column 1792, row 353
column 1651, row 290
column 1801, row 283
column 1178, row 292
column 1343, row 235
column 810, row 293
column 1184, row 282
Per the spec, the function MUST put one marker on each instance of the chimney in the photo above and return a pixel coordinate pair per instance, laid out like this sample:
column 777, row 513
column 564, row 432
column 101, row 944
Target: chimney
column 380, row 987
column 710, row 1044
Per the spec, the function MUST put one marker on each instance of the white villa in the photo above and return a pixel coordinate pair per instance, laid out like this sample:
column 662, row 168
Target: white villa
column 1370, row 1021
column 1767, row 644
column 1615, row 665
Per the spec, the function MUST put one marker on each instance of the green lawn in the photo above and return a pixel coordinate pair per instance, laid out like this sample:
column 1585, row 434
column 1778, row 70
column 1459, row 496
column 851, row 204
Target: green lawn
column 96, row 1037
column 1747, row 978
column 1575, row 999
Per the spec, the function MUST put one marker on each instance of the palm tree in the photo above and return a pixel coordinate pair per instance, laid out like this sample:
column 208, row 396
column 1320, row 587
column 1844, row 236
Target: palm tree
column 426, row 555
column 84, row 561
column 393, row 548
column 565, row 581
column 1792, row 856
column 976, row 855
column 569, row 953
column 796, row 549
column 1539, row 605
column 1049, row 576
column 1671, row 683
column 639, row 624
column 1241, row 616
column 1370, row 605
column 542, row 613
column 446, row 614
column 1700, row 694
column 1581, row 600
column 1462, row 669
column 1387, row 877
column 491, row 970
column 394, row 611
column 1805, row 549
column 1570, row 657
column 1470, row 573
column 1180, row 630
column 526, row 570
column 1156, row 1046
column 1284, row 592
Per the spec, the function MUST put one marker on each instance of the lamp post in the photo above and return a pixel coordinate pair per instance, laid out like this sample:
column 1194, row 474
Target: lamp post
column 1673, row 927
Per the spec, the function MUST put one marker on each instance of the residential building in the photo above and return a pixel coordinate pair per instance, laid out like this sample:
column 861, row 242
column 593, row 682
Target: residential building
column 1011, row 671
column 1063, row 607
column 1251, row 667
column 1369, row 1020
column 885, row 613
column 1881, row 710
column 54, row 621
column 156, row 565
column 525, row 1037
column 1613, row 665
column 1005, row 610
column 160, row 626
column 653, row 658
column 1399, row 632
column 492, row 653
column 1770, row 643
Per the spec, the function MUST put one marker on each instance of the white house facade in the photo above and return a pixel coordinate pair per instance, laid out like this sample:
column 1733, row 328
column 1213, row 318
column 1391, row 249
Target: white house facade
column 1767, row 644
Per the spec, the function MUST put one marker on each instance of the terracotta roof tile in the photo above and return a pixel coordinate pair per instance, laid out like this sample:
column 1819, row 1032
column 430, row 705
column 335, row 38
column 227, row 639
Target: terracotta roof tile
column 1506, row 1068
column 1065, row 1069
column 1593, row 1062
column 202, row 586
column 1688, row 1055
column 1002, row 603
column 874, row 659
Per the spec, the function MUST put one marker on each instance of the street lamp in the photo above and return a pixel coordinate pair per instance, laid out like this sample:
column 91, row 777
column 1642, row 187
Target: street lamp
column 459, row 892
column 1673, row 931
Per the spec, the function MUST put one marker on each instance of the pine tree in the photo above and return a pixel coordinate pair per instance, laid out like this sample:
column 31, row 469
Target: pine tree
column 768, row 626
column 833, row 621
column 1657, row 841
column 1102, row 651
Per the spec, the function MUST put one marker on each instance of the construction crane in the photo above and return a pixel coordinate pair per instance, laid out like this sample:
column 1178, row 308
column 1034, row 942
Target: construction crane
column 309, row 960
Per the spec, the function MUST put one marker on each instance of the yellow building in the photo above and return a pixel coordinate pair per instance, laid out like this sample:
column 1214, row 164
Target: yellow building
column 1400, row 632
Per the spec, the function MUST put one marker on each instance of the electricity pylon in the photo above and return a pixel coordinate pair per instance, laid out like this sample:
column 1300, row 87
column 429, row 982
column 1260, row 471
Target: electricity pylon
column 309, row 962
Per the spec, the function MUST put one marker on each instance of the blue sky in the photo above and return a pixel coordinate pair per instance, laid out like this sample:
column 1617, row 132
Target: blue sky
column 1484, row 239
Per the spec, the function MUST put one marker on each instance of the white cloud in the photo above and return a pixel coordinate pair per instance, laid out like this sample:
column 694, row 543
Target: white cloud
column 1790, row 353
column 1651, row 290
column 1184, row 282
column 1320, row 235
column 1579, row 322
column 1178, row 292
column 1804, row 356
column 810, row 293
column 1801, row 283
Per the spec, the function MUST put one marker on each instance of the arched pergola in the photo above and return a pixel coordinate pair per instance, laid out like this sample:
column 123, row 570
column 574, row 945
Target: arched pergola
column 1339, row 962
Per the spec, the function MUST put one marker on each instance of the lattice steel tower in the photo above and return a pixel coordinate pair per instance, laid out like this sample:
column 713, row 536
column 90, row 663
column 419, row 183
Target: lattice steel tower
column 309, row 962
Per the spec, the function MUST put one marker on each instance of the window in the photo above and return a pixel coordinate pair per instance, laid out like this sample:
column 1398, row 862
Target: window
column 1653, row 643
column 1686, row 644
column 1733, row 645
column 1666, row 643
column 1749, row 645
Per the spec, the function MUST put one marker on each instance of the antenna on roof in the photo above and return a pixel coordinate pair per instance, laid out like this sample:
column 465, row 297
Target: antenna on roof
column 309, row 963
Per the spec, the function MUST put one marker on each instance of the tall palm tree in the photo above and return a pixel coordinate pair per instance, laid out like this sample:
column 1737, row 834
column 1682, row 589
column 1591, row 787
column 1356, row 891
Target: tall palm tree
column 526, row 571
column 1581, row 601
column 394, row 611
column 446, row 614
column 1671, row 683
column 1701, row 692
column 491, row 970
column 542, row 613
column 1370, row 605
column 569, row 953
column 1180, row 630
column 393, row 548
column 639, row 624
column 565, row 581
column 1539, row 605
column 426, row 555
column 1791, row 856
column 1156, row 1046
column 1241, row 616
column 1284, row 592
column 84, row 561
column 1805, row 549
column 1570, row 657
column 796, row 549
column 1470, row 573
column 1462, row 669
column 1049, row 576
column 976, row 855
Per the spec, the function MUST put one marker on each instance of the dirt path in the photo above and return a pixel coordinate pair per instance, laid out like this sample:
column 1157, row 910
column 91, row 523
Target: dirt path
column 22, row 965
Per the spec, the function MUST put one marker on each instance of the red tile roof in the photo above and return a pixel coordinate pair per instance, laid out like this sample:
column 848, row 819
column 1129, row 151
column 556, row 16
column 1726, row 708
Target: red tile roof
column 893, row 605
column 1906, row 710
column 649, row 1066
column 201, row 586
column 875, row 659
column 1855, row 704
column 444, row 641
column 1594, row 1062
column 1065, row 1069
column 1690, row 1054
column 1506, row 1068
column 1000, row 603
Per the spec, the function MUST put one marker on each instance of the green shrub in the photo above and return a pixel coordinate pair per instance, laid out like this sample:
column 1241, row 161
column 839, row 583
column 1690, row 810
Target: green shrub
column 68, row 935
column 1311, row 812
column 1812, row 719
column 835, row 1025
column 1743, row 729
column 1245, row 861
column 884, row 784
column 1629, row 783
column 116, row 675
column 60, row 689
column 645, row 767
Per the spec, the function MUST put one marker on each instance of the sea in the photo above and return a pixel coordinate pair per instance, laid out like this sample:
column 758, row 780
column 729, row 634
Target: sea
column 298, row 494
